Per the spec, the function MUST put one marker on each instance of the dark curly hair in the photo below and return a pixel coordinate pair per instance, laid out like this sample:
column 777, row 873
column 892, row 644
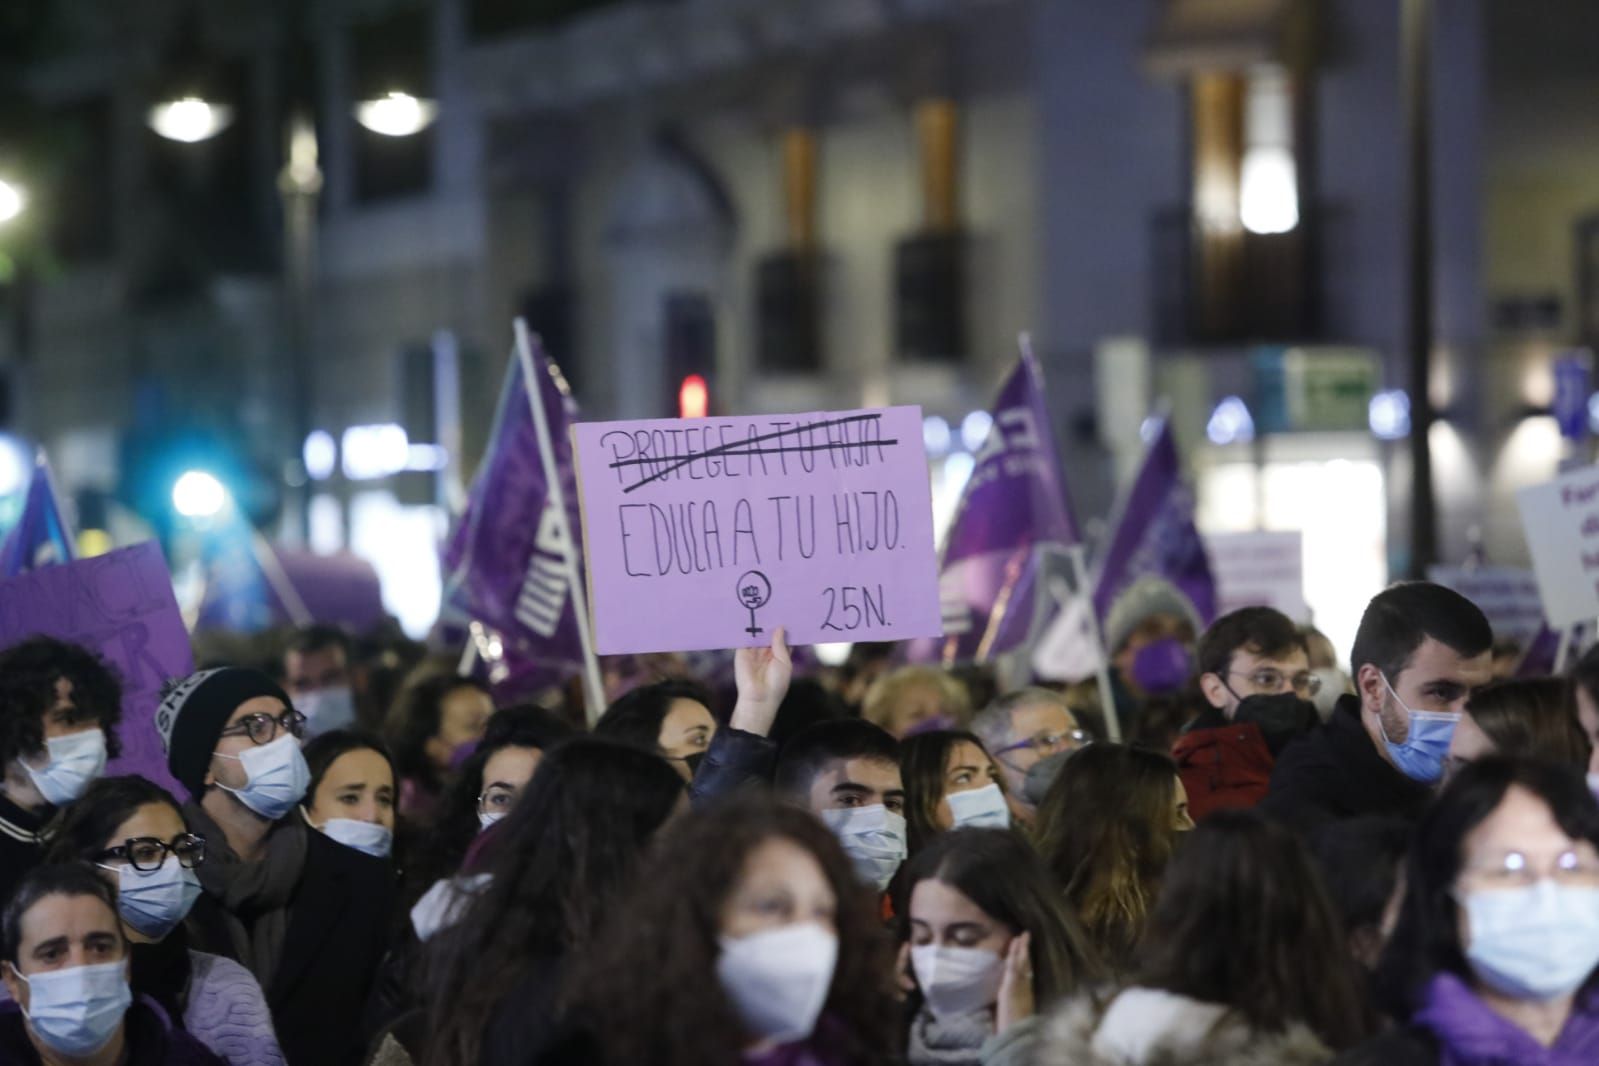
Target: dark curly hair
column 648, row 990
column 565, row 851
column 28, row 675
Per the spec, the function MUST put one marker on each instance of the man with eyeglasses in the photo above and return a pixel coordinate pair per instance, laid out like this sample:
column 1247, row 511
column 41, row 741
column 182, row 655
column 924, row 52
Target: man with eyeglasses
column 307, row 915
column 1020, row 730
column 59, row 709
column 1254, row 672
column 1420, row 652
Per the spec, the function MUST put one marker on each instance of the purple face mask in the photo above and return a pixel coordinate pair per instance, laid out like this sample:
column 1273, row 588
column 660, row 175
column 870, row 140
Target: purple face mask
column 462, row 753
column 1162, row 667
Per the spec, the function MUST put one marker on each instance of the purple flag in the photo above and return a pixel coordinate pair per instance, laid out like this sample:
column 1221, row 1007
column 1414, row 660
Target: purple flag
column 120, row 605
column 41, row 536
column 1154, row 534
column 1010, row 533
column 504, row 562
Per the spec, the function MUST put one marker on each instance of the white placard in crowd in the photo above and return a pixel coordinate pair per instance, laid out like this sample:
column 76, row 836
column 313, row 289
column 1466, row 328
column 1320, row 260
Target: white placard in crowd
column 1259, row 570
column 1508, row 595
column 1561, row 521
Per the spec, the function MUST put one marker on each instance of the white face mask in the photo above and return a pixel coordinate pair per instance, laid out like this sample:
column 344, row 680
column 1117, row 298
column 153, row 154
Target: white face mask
column 76, row 1011
column 956, row 981
column 369, row 838
column 276, row 777
column 778, row 979
column 444, row 904
column 1536, row 942
column 326, row 709
column 487, row 818
column 154, row 902
column 981, row 808
column 874, row 837
column 75, row 760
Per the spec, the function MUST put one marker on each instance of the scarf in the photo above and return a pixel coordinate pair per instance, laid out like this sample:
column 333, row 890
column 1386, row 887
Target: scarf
column 254, row 896
column 951, row 1041
column 1473, row 1035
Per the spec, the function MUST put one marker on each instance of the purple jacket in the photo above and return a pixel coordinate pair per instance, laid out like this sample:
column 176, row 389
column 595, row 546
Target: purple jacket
column 1470, row 1034
column 152, row 1039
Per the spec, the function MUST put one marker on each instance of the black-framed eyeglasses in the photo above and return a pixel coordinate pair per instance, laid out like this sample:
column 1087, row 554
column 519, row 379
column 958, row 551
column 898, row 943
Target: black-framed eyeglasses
column 1047, row 744
column 1303, row 683
column 497, row 799
column 263, row 728
column 146, row 854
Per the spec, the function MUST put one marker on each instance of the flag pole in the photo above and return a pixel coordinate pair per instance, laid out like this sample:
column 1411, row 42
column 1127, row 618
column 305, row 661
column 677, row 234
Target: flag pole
column 1564, row 650
column 1107, row 695
column 593, row 690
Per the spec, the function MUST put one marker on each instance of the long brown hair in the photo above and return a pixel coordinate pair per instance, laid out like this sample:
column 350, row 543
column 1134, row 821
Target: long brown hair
column 1532, row 718
column 1106, row 831
column 648, row 991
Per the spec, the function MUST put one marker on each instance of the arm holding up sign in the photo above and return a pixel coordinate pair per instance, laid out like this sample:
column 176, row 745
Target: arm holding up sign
column 741, row 756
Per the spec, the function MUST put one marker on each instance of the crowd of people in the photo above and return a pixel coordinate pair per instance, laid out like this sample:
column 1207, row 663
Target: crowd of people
column 369, row 862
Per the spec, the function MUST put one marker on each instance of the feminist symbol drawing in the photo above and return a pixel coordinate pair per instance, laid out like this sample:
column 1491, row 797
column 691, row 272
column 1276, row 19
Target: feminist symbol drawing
column 753, row 591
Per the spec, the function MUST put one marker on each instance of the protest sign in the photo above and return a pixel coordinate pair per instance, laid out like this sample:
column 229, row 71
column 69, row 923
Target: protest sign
column 711, row 533
column 1507, row 596
column 1561, row 521
column 121, row 606
column 1259, row 569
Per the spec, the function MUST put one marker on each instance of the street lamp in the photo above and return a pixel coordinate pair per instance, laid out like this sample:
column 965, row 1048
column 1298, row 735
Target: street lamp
column 396, row 114
column 12, row 200
column 189, row 119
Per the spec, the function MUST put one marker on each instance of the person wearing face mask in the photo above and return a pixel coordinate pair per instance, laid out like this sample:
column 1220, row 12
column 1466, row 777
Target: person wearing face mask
column 950, row 783
column 1150, row 630
column 351, row 792
column 1255, row 676
column 65, row 967
column 1243, row 965
column 1420, row 651
column 991, row 949
column 59, row 710
column 847, row 774
column 561, row 860
column 917, row 699
column 436, row 721
column 671, row 718
column 1023, row 729
column 306, row 915
column 316, row 674
column 132, row 831
column 1494, row 957
column 755, row 909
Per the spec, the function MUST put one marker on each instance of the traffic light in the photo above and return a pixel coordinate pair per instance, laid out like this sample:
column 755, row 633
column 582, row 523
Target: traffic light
column 693, row 397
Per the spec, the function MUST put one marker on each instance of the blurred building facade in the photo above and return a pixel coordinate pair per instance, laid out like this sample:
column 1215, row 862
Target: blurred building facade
column 829, row 203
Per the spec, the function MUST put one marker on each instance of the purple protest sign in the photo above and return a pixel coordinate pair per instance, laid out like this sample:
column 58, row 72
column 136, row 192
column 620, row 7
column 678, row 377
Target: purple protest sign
column 710, row 533
column 121, row 605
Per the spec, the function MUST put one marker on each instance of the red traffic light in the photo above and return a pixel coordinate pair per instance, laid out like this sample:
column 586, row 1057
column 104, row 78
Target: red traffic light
column 693, row 397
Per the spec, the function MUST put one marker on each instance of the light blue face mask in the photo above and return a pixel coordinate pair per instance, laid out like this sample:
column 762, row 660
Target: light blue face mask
column 1421, row 756
column 1535, row 942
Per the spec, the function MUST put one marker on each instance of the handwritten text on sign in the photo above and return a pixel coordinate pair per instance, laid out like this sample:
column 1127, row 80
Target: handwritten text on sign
column 1561, row 521
column 711, row 533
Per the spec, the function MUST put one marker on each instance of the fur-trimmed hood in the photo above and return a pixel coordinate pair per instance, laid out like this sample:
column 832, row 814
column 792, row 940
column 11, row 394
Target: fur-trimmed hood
column 1147, row 1027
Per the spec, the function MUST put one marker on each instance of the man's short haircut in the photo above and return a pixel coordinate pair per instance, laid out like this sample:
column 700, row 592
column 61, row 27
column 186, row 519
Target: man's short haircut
column 52, row 879
column 992, row 724
column 28, row 675
column 307, row 640
column 1260, row 631
column 810, row 750
column 1402, row 617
